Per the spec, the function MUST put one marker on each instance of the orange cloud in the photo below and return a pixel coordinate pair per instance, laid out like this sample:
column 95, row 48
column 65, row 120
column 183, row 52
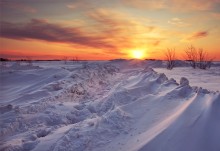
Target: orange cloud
column 111, row 32
column 123, row 30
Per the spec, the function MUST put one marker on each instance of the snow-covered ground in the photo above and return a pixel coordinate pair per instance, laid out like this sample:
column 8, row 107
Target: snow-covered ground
column 104, row 106
column 209, row 79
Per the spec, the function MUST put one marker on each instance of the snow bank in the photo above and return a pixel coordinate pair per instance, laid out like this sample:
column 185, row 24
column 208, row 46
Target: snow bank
column 68, row 90
column 208, row 79
column 116, row 105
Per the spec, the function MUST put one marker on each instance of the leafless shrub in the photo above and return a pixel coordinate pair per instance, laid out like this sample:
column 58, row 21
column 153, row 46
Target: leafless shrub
column 198, row 58
column 65, row 60
column 204, row 61
column 170, row 55
column 29, row 61
column 192, row 56
column 75, row 59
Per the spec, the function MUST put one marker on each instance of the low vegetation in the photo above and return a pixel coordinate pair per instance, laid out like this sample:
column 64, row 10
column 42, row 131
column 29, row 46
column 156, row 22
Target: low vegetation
column 170, row 55
column 198, row 58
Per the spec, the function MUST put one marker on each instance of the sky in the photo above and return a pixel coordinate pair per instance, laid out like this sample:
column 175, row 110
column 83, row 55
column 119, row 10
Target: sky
column 107, row 29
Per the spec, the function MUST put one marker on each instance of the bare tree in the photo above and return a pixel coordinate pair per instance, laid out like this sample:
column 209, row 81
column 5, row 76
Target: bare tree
column 75, row 59
column 29, row 61
column 170, row 55
column 198, row 58
column 209, row 63
column 204, row 61
column 65, row 60
column 192, row 56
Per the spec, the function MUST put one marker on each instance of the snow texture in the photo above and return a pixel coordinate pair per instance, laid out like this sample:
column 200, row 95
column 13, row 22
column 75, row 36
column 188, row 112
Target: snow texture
column 105, row 106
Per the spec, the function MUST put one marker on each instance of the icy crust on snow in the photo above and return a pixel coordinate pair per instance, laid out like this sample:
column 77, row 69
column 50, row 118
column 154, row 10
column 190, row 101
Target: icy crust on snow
column 97, row 107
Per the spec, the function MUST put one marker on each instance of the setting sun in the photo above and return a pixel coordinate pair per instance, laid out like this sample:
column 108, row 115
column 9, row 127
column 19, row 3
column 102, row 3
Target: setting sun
column 137, row 54
column 90, row 30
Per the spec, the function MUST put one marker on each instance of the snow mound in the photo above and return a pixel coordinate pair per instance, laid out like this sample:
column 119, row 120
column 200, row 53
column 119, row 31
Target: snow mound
column 184, row 81
column 116, row 105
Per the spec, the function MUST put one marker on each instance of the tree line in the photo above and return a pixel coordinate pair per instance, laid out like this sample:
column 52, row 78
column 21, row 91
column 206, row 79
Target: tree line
column 197, row 58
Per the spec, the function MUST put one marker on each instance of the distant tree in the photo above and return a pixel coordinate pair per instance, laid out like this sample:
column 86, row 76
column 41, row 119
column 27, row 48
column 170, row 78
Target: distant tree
column 209, row 63
column 29, row 61
column 170, row 55
column 198, row 58
column 192, row 56
column 4, row 59
column 204, row 61
column 75, row 59
column 65, row 60
column 3, row 62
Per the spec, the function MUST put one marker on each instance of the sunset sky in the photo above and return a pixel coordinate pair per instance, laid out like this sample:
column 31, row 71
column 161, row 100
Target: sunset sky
column 107, row 29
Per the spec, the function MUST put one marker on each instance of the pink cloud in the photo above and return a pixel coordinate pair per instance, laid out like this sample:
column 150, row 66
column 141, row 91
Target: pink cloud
column 197, row 35
column 19, row 6
column 174, row 5
column 43, row 30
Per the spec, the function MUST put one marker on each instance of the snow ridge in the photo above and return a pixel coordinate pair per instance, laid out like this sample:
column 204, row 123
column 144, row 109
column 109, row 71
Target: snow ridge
column 113, row 106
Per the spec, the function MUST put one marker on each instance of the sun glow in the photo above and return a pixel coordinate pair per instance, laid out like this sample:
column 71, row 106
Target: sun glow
column 137, row 54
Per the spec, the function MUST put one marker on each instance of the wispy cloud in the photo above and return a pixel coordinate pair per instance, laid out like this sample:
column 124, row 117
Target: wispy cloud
column 215, row 16
column 200, row 34
column 109, row 30
column 174, row 5
column 195, row 5
column 72, row 6
column 146, row 4
column 77, row 4
column 178, row 22
column 18, row 6
column 195, row 36
column 43, row 30
column 123, row 30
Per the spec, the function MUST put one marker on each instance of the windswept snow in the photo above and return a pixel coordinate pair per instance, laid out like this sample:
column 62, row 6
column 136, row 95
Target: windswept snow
column 209, row 79
column 103, row 106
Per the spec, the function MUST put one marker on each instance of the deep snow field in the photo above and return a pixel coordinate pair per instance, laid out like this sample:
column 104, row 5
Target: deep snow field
column 109, row 106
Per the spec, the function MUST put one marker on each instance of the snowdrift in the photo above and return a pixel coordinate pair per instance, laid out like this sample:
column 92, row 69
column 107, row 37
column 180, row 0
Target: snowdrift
column 116, row 105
